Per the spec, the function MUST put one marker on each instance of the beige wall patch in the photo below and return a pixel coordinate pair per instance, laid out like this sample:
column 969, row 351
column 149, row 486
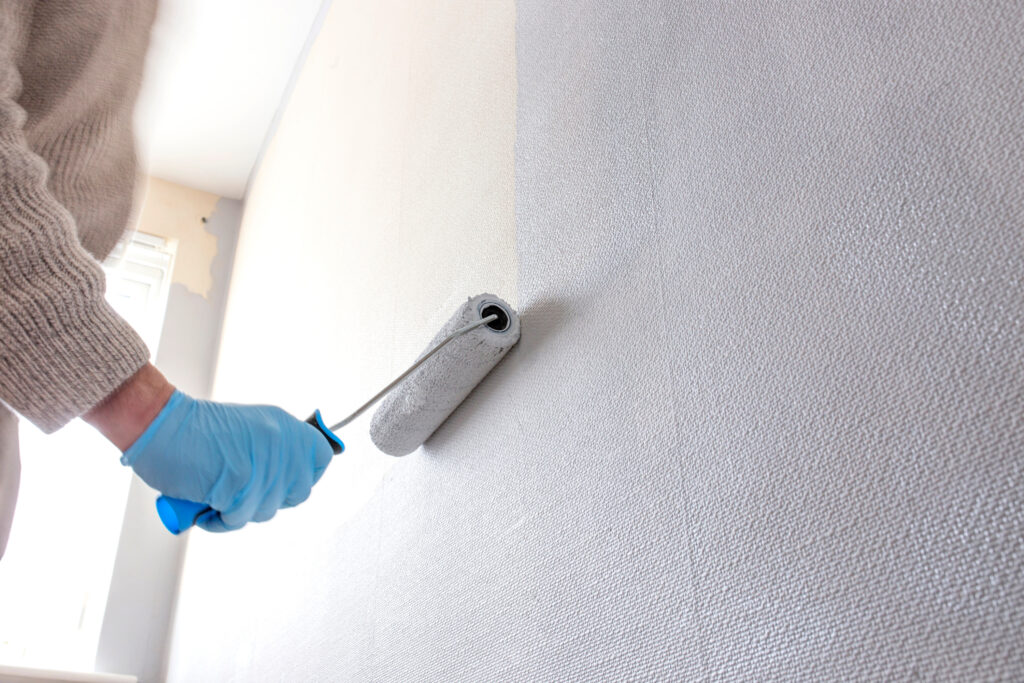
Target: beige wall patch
column 178, row 212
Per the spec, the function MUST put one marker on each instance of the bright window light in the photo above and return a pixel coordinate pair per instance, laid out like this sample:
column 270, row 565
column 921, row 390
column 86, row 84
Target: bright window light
column 55, row 575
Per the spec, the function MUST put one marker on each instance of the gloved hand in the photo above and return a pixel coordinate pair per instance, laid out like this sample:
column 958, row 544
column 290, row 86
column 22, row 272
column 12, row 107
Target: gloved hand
column 243, row 461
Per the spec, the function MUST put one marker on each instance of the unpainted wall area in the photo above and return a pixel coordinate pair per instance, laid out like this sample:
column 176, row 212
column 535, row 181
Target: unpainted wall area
column 766, row 416
column 383, row 202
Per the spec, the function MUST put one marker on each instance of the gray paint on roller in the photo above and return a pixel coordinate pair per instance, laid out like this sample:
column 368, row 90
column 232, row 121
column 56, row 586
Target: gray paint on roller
column 417, row 407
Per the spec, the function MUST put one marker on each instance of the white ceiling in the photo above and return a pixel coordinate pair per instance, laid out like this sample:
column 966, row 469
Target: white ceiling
column 215, row 76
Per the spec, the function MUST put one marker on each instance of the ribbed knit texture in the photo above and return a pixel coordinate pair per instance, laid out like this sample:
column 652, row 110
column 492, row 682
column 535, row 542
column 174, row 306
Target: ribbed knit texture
column 69, row 75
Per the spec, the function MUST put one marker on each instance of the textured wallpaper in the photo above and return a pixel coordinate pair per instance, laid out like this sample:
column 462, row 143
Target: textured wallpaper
column 766, row 420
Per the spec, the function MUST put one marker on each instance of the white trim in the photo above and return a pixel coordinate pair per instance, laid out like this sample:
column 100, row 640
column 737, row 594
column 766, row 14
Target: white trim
column 17, row 674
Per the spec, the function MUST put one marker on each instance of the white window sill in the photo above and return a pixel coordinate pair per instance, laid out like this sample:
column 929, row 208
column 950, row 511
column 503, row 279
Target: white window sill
column 16, row 674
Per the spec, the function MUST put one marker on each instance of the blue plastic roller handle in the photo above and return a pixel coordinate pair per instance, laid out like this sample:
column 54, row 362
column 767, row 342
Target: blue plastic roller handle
column 179, row 515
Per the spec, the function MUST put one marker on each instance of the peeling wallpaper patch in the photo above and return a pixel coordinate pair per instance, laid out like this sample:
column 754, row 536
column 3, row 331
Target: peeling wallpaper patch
column 178, row 213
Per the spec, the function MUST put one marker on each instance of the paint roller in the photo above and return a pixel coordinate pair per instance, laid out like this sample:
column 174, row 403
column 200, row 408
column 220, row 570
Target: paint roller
column 419, row 400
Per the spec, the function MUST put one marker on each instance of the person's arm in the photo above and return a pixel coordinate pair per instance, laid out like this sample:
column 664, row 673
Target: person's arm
column 125, row 414
column 63, row 349
column 245, row 462
column 65, row 353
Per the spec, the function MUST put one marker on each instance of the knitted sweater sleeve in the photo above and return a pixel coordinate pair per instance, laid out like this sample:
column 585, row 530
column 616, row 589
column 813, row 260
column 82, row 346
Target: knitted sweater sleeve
column 62, row 347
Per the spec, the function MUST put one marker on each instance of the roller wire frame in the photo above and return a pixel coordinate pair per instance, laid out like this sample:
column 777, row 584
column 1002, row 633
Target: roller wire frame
column 383, row 392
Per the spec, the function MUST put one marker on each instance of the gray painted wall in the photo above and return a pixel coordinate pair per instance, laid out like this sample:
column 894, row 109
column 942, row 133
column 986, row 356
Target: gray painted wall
column 147, row 570
column 765, row 420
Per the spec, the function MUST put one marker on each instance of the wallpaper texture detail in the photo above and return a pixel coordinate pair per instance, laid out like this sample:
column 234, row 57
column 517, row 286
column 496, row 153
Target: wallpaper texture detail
column 766, row 419
column 790, row 441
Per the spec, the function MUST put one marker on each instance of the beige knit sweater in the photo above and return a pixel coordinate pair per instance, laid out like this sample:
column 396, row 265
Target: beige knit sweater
column 69, row 76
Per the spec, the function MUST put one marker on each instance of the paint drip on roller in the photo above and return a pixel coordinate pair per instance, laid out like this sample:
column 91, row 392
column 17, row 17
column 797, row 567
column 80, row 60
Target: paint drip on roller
column 417, row 407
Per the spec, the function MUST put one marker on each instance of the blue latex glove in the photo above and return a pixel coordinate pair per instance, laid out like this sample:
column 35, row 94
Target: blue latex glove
column 245, row 462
